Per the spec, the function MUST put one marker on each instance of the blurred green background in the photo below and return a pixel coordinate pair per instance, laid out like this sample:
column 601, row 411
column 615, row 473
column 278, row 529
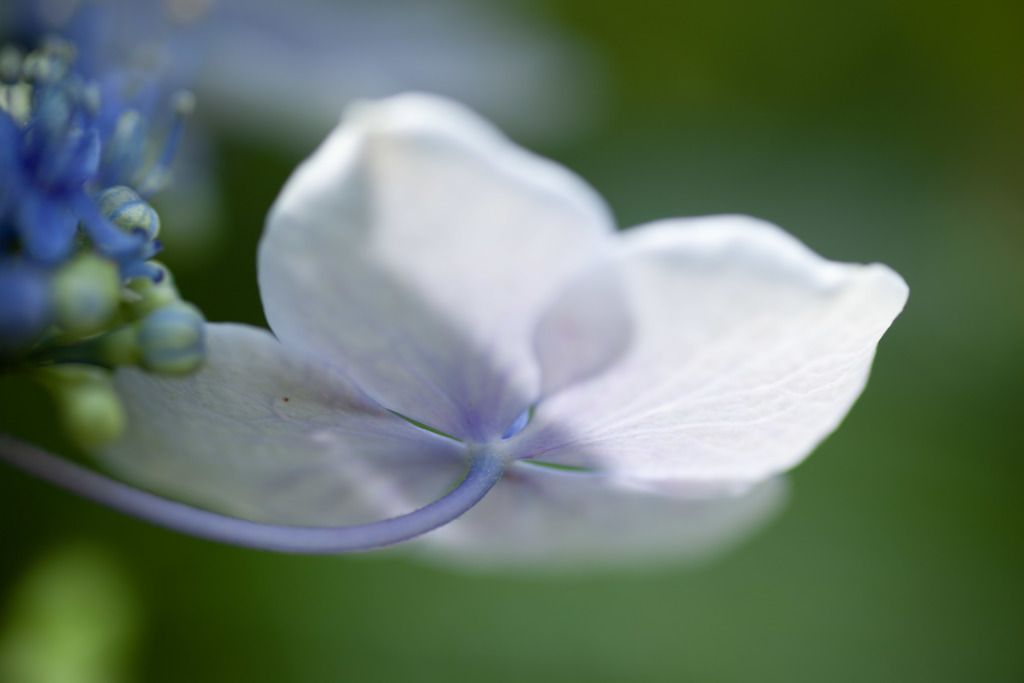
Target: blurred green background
column 880, row 130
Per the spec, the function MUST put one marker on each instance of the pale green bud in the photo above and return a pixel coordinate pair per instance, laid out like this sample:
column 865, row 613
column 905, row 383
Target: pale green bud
column 86, row 294
column 117, row 347
column 16, row 100
column 93, row 414
column 172, row 339
column 146, row 296
column 126, row 209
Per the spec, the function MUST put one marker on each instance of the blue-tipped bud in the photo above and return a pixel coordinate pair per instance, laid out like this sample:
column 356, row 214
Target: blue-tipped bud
column 172, row 339
column 145, row 294
column 123, row 207
column 86, row 294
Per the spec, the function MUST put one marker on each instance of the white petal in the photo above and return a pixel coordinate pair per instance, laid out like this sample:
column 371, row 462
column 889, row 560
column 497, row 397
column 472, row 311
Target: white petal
column 585, row 330
column 417, row 248
column 543, row 519
column 265, row 434
column 747, row 349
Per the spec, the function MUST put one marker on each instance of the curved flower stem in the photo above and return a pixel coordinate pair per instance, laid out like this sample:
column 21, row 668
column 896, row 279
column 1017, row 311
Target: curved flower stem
column 484, row 472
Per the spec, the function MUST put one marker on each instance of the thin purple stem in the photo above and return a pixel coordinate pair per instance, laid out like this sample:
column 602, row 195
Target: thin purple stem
column 484, row 472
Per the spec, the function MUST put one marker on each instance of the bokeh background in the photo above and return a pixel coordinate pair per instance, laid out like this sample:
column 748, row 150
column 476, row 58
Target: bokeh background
column 888, row 130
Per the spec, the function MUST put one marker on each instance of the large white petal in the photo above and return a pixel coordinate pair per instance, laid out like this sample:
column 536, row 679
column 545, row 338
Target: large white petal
column 263, row 433
column 746, row 350
column 543, row 519
column 417, row 248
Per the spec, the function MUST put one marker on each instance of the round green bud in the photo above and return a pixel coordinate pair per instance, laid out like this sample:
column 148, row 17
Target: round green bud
column 172, row 339
column 16, row 100
column 127, row 210
column 120, row 346
column 145, row 296
column 88, row 405
column 92, row 413
column 86, row 294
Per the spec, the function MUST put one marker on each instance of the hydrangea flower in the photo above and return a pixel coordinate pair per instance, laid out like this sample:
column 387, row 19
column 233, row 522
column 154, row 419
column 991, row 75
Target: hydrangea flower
column 441, row 298
column 65, row 139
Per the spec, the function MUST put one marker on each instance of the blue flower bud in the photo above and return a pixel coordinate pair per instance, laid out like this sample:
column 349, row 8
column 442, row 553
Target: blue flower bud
column 123, row 207
column 52, row 112
column 47, row 229
column 172, row 339
column 86, row 294
column 69, row 161
column 123, row 153
column 25, row 306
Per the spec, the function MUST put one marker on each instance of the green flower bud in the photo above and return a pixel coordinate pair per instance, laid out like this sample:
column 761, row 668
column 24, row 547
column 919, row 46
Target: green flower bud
column 88, row 405
column 126, row 209
column 16, row 100
column 117, row 347
column 145, row 296
column 86, row 294
column 172, row 339
column 92, row 414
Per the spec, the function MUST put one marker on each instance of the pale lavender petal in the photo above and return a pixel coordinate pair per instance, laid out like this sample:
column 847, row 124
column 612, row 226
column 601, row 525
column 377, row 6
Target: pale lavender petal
column 747, row 350
column 417, row 249
column 263, row 433
column 587, row 329
column 542, row 519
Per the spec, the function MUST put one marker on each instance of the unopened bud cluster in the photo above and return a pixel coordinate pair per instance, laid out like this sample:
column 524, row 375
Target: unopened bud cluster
column 79, row 291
